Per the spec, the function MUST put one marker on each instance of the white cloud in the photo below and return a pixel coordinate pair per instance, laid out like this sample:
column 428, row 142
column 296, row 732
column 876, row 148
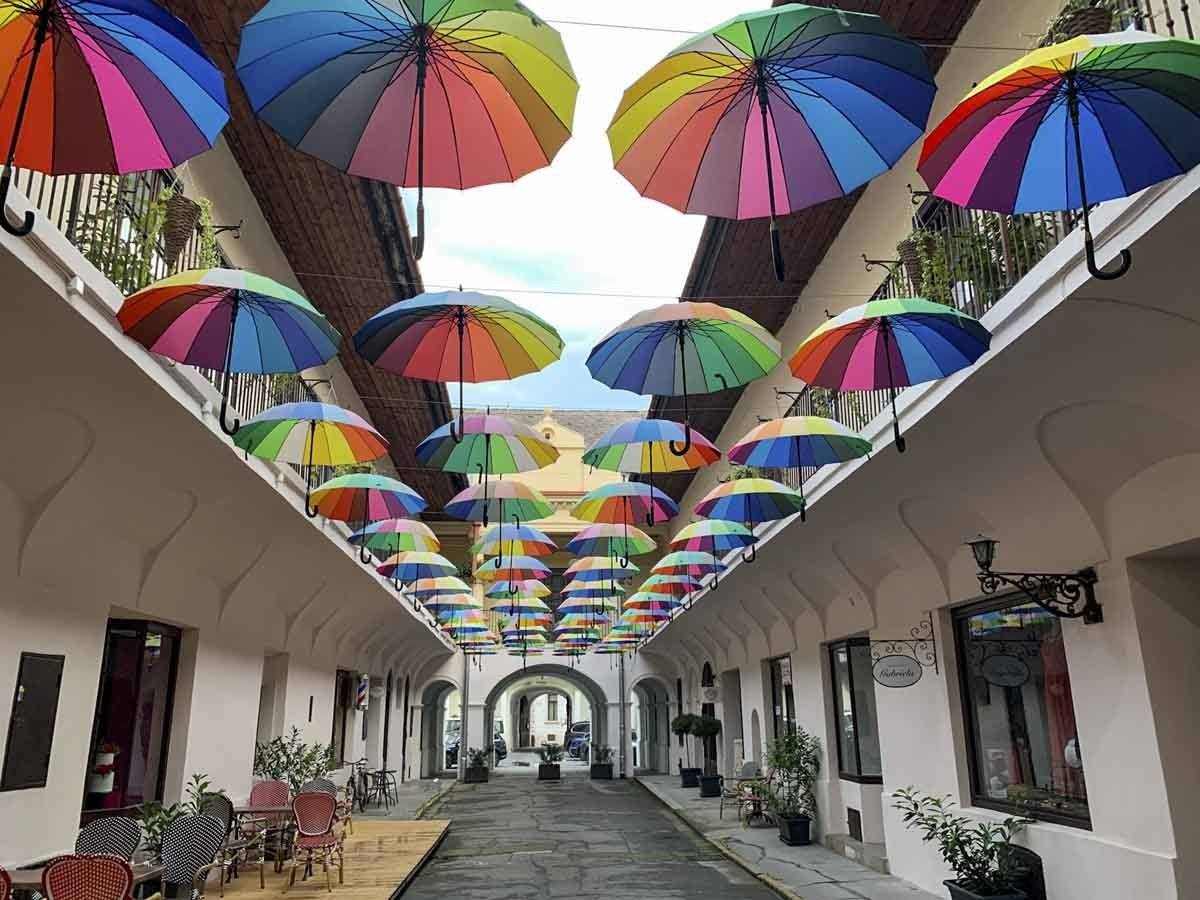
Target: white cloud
column 577, row 226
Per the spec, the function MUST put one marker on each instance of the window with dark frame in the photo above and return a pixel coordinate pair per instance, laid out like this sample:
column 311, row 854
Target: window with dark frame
column 1023, row 746
column 31, row 722
column 783, row 700
column 859, row 758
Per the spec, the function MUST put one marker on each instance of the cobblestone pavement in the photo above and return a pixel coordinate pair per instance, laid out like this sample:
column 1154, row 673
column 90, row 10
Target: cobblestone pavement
column 516, row 838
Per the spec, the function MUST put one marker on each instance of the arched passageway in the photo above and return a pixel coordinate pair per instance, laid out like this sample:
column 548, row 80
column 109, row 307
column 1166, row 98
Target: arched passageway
column 650, row 721
column 540, row 703
column 436, row 726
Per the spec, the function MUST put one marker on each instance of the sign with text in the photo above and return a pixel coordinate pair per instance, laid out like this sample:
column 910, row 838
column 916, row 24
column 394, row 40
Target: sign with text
column 1004, row 670
column 897, row 671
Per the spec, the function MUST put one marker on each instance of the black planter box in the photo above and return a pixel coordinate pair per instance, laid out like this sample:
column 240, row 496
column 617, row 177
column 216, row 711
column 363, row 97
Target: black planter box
column 602, row 771
column 475, row 775
column 961, row 893
column 710, row 785
column 689, row 778
column 795, row 831
column 549, row 772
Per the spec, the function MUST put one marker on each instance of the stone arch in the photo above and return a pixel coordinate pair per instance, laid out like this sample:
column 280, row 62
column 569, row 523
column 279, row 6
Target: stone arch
column 597, row 698
column 650, row 721
column 433, row 726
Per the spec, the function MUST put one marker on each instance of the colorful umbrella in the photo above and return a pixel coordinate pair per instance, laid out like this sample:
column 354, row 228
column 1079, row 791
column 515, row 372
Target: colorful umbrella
column 1094, row 118
column 512, row 568
column 517, row 605
column 397, row 535
column 311, row 434
column 643, row 446
column 625, row 501
column 750, row 500
column 715, row 536
column 115, row 86
column 409, row 566
column 688, row 562
column 798, row 441
column 679, row 349
column 603, row 539
column 448, row 604
column 772, row 112
column 672, row 585
column 496, row 340
column 367, row 85
column 647, row 600
column 518, row 500
column 364, row 497
column 517, row 540
column 591, row 590
column 600, row 568
column 528, row 587
column 443, row 586
column 890, row 344
column 229, row 321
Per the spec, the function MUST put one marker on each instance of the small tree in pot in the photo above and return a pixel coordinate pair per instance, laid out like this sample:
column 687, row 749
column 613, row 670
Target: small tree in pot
column 980, row 853
column 602, row 764
column 681, row 727
column 551, row 755
column 795, row 761
column 477, row 769
column 707, row 728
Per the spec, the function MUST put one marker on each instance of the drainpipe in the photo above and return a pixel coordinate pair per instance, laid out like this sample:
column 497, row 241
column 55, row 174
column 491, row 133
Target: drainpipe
column 621, row 731
column 464, row 718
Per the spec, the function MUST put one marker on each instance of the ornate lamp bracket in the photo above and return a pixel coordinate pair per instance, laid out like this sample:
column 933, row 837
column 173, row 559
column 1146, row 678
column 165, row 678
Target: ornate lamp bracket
column 921, row 645
column 889, row 264
column 1068, row 595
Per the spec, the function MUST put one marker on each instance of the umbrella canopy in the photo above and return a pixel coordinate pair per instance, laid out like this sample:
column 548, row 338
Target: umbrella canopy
column 772, row 112
column 458, row 336
column 604, row 539
column 484, row 85
column 364, row 497
column 396, row 535
column 600, row 568
column 449, row 604
column 750, row 500
column 715, row 536
column 680, row 349
column 516, row 606
column 688, row 562
column 647, row 600
column 673, row 585
column 515, row 540
column 311, row 434
column 441, row 586
column 229, row 321
column 505, row 498
column 591, row 589
column 625, row 501
column 586, row 605
column 647, row 616
column 412, row 566
column 798, row 441
column 527, row 587
column 644, row 446
column 116, row 86
column 512, row 568
column 487, row 444
column 1094, row 118
column 890, row 344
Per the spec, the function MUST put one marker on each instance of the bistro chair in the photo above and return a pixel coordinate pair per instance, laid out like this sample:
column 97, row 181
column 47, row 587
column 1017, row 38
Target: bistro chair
column 316, row 814
column 86, row 877
column 5, row 885
column 319, row 786
column 236, row 849
column 112, row 836
column 345, row 806
column 270, row 827
column 191, row 848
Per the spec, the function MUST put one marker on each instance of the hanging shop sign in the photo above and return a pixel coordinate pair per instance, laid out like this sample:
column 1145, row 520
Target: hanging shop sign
column 1005, row 671
column 897, row 671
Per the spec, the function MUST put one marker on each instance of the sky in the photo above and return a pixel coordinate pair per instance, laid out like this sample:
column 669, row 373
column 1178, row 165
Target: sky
column 576, row 226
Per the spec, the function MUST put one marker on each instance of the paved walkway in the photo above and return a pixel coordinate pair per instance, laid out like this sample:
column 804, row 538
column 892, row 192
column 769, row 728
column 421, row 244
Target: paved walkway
column 812, row 873
column 516, row 838
column 414, row 797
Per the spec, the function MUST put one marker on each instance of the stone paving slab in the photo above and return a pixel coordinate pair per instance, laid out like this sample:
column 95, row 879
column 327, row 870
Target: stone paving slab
column 809, row 873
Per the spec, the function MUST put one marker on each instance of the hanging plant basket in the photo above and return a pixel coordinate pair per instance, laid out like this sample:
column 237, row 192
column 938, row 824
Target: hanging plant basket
column 179, row 226
column 1078, row 22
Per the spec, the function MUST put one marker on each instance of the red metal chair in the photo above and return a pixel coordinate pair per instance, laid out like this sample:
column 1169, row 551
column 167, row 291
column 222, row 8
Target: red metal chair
column 81, row 877
column 271, row 828
column 316, row 815
column 5, row 885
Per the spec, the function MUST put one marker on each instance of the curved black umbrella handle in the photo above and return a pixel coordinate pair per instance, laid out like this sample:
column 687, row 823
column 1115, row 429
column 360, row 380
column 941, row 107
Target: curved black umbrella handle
column 26, row 225
column 678, row 449
column 364, row 555
column 752, row 556
column 1094, row 268
column 311, row 511
column 226, row 426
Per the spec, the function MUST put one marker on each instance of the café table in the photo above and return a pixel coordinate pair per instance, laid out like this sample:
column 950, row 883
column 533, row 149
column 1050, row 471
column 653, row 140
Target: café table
column 282, row 816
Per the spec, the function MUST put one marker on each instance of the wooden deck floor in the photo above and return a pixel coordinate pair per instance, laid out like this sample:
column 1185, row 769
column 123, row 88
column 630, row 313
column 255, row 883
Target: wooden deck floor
column 381, row 858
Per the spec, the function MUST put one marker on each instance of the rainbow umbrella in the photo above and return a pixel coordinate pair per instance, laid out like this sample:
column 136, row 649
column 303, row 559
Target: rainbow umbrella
column 890, row 344
column 528, row 587
column 587, row 605
column 449, row 604
column 396, row 535
column 518, row 540
column 512, row 568
column 647, row 600
column 518, row 500
column 365, row 497
column 516, row 606
column 368, row 85
column 1094, row 118
column 798, row 441
column 688, row 562
column 715, row 536
column 750, row 500
column 625, row 501
column 613, row 540
column 442, row 586
column 411, row 565
column 643, row 446
column 458, row 336
column 685, row 348
column 647, row 616
column 311, row 434
column 600, row 568
column 114, row 86
column 672, row 585
column 772, row 112
column 228, row 321
column 591, row 590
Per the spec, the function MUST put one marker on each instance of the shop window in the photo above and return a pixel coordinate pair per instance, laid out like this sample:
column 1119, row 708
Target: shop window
column 552, row 709
column 31, row 723
column 783, row 701
column 1025, row 755
column 859, row 758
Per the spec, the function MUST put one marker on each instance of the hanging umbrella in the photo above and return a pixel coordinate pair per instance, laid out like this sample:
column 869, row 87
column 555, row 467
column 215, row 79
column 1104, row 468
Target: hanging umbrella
column 512, row 568
column 715, row 536
column 410, row 566
column 515, row 606
column 1094, row 118
column 521, row 502
column 679, row 349
column 458, row 336
column 517, row 540
column 396, row 535
column 600, row 568
column 311, row 434
column 366, row 497
column 772, row 112
column 750, row 500
column 890, row 344
column 449, row 604
column 647, row 616
column 528, row 587
column 647, row 600
column 602, row 539
column 688, row 562
column 591, row 589
column 228, row 321
column 673, row 585
column 643, row 446
column 446, row 585
column 114, row 86
column 798, row 441
column 625, row 501
column 368, row 86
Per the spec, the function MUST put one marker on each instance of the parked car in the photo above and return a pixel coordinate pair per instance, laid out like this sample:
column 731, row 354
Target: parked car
column 498, row 745
column 579, row 738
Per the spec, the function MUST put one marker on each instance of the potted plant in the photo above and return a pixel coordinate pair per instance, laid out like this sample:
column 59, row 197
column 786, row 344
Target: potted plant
column 477, row 769
column 1080, row 17
column 290, row 759
column 551, row 755
column 602, row 765
column 681, row 726
column 795, row 761
column 979, row 853
column 104, row 768
column 707, row 728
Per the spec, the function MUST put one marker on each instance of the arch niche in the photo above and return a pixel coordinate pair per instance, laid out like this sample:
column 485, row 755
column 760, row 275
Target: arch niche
column 651, row 722
column 535, row 681
column 433, row 727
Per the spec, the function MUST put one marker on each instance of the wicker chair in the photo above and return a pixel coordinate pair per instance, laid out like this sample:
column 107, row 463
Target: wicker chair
column 87, row 877
column 5, row 884
column 272, row 829
column 112, row 836
column 191, row 850
column 345, row 807
column 316, row 816
column 236, row 849
column 742, row 793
